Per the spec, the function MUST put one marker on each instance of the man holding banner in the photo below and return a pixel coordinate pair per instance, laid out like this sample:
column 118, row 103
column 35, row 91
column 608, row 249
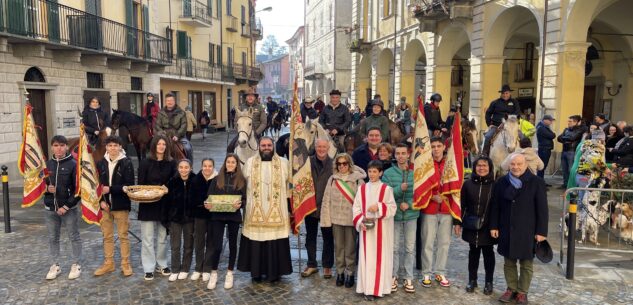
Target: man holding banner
column 61, row 207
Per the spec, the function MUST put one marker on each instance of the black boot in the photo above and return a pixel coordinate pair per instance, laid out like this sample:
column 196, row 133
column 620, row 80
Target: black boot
column 340, row 280
column 488, row 288
column 472, row 284
column 349, row 281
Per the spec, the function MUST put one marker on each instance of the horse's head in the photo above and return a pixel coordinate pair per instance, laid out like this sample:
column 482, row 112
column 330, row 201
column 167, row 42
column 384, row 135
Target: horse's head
column 116, row 119
column 511, row 136
column 311, row 132
column 244, row 126
column 469, row 135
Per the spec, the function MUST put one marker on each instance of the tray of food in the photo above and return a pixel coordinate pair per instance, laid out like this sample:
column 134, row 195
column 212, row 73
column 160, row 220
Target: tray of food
column 146, row 193
column 222, row 203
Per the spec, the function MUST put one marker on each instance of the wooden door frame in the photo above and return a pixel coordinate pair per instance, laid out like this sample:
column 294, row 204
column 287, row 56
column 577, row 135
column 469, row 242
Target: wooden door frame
column 52, row 122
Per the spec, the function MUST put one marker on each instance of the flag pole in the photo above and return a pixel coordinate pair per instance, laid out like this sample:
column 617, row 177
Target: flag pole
column 295, row 103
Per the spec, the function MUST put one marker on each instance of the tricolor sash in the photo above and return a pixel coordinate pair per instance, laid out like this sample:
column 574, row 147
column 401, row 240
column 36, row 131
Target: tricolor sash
column 345, row 189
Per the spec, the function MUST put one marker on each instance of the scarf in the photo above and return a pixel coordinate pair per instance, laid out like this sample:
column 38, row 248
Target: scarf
column 516, row 182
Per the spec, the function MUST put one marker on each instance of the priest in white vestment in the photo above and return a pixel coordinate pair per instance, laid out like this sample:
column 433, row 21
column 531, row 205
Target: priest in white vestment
column 374, row 208
column 265, row 246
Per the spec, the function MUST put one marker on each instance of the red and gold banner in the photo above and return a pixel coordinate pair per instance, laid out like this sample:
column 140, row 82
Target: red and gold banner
column 303, row 192
column 88, row 186
column 424, row 179
column 453, row 174
column 31, row 161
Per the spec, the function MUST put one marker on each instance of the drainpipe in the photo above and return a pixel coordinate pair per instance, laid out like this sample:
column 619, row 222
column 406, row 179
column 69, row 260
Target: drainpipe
column 543, row 46
column 395, row 43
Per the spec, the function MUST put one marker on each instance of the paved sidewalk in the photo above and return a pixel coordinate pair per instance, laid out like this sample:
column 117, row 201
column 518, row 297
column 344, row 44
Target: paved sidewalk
column 601, row 277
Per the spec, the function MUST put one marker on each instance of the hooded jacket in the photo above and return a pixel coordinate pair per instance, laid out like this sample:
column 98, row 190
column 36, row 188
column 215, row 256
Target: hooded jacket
column 394, row 177
column 62, row 174
column 476, row 200
column 116, row 174
column 335, row 209
column 91, row 117
column 201, row 186
column 174, row 120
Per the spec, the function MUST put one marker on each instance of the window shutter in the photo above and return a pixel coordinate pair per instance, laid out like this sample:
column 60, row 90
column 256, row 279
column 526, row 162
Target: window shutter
column 182, row 44
column 131, row 34
column 209, row 8
column 146, row 29
column 53, row 20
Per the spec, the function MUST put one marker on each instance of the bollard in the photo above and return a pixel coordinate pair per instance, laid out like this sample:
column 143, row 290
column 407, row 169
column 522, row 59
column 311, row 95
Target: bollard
column 571, row 238
column 5, row 192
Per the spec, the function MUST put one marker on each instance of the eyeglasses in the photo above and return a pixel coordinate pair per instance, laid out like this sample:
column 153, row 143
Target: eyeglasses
column 342, row 163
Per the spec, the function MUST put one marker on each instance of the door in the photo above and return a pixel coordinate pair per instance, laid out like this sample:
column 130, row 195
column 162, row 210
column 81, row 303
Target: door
column 195, row 101
column 588, row 103
column 209, row 105
column 37, row 99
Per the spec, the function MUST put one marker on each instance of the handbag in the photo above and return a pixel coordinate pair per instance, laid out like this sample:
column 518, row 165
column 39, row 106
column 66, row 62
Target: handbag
column 474, row 222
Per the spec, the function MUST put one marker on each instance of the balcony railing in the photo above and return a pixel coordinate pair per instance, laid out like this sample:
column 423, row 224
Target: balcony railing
column 246, row 30
column 255, row 74
column 197, row 12
column 50, row 22
column 240, row 71
column 231, row 23
column 440, row 9
column 257, row 30
column 228, row 73
column 195, row 68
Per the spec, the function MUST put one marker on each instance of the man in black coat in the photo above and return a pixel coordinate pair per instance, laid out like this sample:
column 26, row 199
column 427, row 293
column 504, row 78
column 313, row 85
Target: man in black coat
column 570, row 138
column 116, row 172
column 433, row 116
column 321, row 166
column 499, row 110
column 368, row 151
column 518, row 218
column 335, row 118
column 545, row 137
column 307, row 109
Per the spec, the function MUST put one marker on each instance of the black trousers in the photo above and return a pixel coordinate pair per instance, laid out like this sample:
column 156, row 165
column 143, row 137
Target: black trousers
column 544, row 155
column 199, row 241
column 218, row 242
column 473, row 262
column 418, row 245
column 181, row 235
column 327, row 255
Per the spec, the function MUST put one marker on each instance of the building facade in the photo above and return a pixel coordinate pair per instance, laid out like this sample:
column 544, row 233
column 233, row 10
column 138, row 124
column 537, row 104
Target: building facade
column 276, row 81
column 465, row 50
column 60, row 54
column 327, row 59
column 296, row 59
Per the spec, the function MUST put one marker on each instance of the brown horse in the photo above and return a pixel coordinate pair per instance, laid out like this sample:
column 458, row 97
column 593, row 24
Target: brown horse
column 98, row 150
column 138, row 128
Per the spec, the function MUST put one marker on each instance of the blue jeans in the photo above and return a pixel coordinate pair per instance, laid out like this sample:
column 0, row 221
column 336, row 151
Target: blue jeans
column 581, row 181
column 54, row 224
column 149, row 257
column 566, row 162
column 544, row 155
column 408, row 251
column 435, row 227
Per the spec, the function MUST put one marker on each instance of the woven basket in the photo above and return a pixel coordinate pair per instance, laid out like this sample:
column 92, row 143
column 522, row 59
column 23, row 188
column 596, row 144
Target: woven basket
column 146, row 193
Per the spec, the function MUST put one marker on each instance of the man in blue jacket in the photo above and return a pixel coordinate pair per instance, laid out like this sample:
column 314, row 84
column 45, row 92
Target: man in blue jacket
column 545, row 137
column 61, row 207
column 400, row 178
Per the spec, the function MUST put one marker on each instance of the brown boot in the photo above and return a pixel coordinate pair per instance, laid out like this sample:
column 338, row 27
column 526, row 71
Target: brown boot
column 126, row 268
column 106, row 267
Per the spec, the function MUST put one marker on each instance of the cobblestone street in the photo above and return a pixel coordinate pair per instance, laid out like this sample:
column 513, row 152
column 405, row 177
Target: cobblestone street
column 600, row 278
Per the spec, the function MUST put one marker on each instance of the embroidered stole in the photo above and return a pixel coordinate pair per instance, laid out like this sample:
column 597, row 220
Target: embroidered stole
column 273, row 216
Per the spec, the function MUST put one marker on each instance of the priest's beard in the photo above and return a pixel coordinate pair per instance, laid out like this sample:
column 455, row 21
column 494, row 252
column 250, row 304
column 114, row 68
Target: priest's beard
column 266, row 155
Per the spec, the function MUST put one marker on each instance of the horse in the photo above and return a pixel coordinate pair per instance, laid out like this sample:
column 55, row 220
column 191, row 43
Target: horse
column 138, row 128
column 504, row 142
column 354, row 138
column 277, row 121
column 247, row 145
column 314, row 131
column 98, row 150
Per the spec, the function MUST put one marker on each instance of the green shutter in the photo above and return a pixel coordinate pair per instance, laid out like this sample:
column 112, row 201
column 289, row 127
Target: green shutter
column 2, row 26
column 131, row 33
column 146, row 29
column 53, row 20
column 209, row 8
column 15, row 12
column 182, row 44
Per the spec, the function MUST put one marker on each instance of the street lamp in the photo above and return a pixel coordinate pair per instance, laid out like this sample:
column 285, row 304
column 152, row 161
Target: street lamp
column 266, row 9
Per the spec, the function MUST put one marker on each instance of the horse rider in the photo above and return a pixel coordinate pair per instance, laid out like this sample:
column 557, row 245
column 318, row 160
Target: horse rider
column 271, row 108
column 257, row 113
column 336, row 118
column 150, row 111
column 403, row 115
column 172, row 121
column 499, row 110
column 95, row 120
column 319, row 106
column 376, row 119
column 433, row 116
column 307, row 109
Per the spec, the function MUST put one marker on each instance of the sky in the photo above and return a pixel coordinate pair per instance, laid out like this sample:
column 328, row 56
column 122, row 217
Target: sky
column 282, row 21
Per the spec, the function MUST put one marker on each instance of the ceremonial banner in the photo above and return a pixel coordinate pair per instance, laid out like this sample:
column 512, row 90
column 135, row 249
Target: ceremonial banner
column 453, row 175
column 88, row 186
column 31, row 161
column 303, row 193
column 424, row 179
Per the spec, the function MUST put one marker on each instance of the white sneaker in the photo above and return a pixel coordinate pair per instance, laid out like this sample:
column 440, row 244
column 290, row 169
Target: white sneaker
column 53, row 272
column 206, row 276
column 183, row 275
column 75, row 272
column 228, row 281
column 173, row 277
column 213, row 280
column 195, row 276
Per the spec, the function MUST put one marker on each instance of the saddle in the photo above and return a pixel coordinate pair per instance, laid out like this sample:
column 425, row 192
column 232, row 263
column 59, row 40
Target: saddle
column 401, row 126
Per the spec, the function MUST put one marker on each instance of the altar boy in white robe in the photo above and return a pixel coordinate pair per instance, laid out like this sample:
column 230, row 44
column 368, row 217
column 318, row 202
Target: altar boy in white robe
column 374, row 208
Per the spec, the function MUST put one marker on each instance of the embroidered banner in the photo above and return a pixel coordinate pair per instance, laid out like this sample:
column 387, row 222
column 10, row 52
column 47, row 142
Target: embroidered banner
column 31, row 161
column 423, row 168
column 453, row 174
column 88, row 186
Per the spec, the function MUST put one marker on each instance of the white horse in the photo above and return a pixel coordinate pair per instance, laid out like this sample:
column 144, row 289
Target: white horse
column 246, row 140
column 505, row 142
column 316, row 131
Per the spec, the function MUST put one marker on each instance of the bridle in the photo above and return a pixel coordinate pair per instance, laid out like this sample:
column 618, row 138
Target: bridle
column 249, row 135
column 506, row 142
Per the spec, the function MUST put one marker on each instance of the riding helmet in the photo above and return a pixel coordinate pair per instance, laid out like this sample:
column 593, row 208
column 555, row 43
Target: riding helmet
column 436, row 97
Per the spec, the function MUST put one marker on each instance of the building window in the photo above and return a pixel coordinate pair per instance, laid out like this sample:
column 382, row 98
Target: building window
column 137, row 83
column 219, row 54
column 228, row 8
column 219, row 8
column 211, row 54
column 95, row 80
column 229, row 59
column 244, row 58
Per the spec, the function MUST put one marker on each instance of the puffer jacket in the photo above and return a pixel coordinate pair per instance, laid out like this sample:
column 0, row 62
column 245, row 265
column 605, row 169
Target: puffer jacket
column 476, row 200
column 174, row 120
column 394, row 178
column 258, row 114
column 335, row 118
column 91, row 117
column 121, row 175
column 62, row 175
column 335, row 209
column 182, row 199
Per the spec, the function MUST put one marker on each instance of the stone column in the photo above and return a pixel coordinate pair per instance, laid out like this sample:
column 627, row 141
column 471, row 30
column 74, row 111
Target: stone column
column 490, row 76
column 443, row 87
